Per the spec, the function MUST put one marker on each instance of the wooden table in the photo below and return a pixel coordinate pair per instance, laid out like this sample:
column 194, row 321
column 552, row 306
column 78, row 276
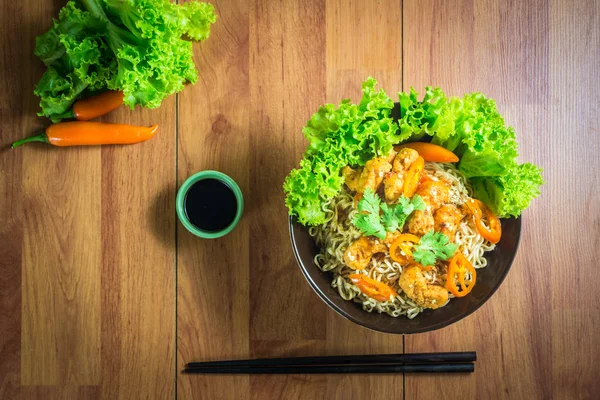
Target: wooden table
column 103, row 294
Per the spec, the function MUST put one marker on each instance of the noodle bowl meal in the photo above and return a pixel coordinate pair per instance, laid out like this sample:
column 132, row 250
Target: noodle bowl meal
column 404, row 210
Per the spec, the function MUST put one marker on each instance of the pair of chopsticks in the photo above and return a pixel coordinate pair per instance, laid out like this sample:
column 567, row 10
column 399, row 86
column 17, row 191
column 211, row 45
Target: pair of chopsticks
column 357, row 364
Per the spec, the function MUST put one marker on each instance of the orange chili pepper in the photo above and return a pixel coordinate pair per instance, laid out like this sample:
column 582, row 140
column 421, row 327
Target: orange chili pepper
column 372, row 288
column 459, row 266
column 413, row 175
column 478, row 210
column 402, row 243
column 357, row 198
column 96, row 106
column 76, row 133
column 431, row 152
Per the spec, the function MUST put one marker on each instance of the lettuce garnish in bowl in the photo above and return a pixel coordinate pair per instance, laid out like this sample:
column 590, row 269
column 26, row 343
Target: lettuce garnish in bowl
column 350, row 134
column 469, row 126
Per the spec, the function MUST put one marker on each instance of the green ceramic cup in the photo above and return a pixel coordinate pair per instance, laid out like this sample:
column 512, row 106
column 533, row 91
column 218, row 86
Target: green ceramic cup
column 180, row 203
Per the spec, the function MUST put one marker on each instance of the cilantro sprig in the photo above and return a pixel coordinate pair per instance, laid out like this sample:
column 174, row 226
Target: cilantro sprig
column 394, row 217
column 433, row 246
column 374, row 218
column 368, row 220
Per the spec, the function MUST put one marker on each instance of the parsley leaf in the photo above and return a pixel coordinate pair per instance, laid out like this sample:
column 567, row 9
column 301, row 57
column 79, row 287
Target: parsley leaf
column 369, row 225
column 433, row 246
column 367, row 220
column 392, row 218
column 389, row 218
column 417, row 202
column 370, row 202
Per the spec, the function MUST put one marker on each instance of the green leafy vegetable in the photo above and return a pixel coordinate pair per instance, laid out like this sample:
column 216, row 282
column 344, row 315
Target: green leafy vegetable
column 374, row 218
column 433, row 246
column 469, row 126
column 347, row 135
column 394, row 217
column 369, row 203
column 368, row 220
column 509, row 194
column 136, row 46
column 369, row 225
column 389, row 218
column 473, row 129
column 428, row 116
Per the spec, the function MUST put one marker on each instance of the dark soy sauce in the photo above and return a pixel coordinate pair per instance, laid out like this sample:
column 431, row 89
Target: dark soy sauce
column 210, row 205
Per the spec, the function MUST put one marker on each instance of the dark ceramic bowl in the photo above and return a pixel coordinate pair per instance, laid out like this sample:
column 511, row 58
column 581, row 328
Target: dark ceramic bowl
column 488, row 281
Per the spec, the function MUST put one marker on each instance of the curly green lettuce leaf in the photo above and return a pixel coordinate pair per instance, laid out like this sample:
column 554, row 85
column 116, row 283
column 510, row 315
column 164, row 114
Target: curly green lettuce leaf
column 303, row 195
column 196, row 18
column 350, row 134
column 485, row 145
column 77, row 59
column 72, row 23
column 474, row 130
column 509, row 194
column 470, row 114
column 136, row 46
column 494, row 154
column 430, row 116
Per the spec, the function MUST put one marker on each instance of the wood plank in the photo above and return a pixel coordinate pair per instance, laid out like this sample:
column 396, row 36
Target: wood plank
column 363, row 39
column 213, row 275
column 60, row 271
column 575, row 183
column 287, row 75
column 88, row 280
column 138, row 260
column 294, row 386
column 517, row 55
column 60, row 392
column 503, row 52
column 287, row 84
column 12, row 127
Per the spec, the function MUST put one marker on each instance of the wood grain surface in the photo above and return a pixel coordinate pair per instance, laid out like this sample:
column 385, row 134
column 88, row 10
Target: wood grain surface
column 104, row 295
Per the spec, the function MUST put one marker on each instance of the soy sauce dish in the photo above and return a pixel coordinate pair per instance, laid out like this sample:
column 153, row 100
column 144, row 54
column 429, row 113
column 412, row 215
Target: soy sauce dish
column 209, row 204
column 405, row 217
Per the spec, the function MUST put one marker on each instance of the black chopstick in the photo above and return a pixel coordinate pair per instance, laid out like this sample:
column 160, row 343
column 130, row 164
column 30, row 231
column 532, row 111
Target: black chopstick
column 375, row 359
column 338, row 369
